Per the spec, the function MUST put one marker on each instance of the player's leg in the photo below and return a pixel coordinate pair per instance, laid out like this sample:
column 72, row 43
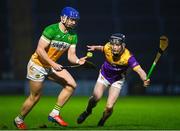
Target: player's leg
column 32, row 99
column 67, row 81
column 97, row 94
column 35, row 84
column 114, row 91
column 99, row 88
column 98, row 91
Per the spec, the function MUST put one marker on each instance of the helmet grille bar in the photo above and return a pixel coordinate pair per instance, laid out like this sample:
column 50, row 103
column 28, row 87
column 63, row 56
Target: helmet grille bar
column 117, row 38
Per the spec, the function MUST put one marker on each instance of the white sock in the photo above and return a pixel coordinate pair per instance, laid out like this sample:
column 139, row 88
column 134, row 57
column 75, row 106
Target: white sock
column 18, row 120
column 54, row 112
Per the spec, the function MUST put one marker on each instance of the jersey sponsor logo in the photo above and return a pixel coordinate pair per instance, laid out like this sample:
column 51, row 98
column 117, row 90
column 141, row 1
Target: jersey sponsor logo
column 117, row 69
column 117, row 64
column 59, row 45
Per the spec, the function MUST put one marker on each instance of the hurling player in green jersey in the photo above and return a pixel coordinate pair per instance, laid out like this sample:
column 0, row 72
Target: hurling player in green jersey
column 55, row 40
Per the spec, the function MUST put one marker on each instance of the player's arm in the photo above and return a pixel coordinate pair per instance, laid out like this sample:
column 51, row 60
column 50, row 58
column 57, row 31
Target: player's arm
column 41, row 51
column 137, row 68
column 142, row 74
column 95, row 47
column 72, row 57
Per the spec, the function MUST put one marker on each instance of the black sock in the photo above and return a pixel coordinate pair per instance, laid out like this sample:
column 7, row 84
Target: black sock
column 91, row 104
column 106, row 114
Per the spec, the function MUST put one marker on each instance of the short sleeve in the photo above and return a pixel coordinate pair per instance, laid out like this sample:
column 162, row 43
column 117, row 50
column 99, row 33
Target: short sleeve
column 74, row 39
column 132, row 62
column 48, row 33
column 106, row 47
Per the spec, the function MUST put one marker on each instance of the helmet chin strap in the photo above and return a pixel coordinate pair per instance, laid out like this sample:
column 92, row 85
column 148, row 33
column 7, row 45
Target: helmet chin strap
column 63, row 19
column 123, row 48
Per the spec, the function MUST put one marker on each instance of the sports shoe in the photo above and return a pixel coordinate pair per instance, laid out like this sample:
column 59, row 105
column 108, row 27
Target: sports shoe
column 82, row 117
column 19, row 123
column 57, row 119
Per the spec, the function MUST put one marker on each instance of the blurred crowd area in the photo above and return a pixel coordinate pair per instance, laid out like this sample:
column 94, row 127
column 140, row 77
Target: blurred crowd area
column 142, row 21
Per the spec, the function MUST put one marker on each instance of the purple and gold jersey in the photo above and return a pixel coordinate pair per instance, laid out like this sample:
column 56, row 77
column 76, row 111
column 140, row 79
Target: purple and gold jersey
column 114, row 69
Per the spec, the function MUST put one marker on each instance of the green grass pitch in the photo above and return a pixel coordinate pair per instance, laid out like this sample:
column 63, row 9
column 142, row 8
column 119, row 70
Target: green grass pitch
column 130, row 112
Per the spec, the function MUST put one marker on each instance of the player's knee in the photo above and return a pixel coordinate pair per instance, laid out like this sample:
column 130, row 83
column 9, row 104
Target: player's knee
column 73, row 85
column 96, row 96
column 35, row 97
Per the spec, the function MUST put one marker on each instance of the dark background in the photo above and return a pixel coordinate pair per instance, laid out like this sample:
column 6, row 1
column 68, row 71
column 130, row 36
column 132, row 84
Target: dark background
column 142, row 21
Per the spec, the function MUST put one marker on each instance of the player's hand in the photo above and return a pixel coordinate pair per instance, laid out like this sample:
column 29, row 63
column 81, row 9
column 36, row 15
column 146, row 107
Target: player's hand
column 146, row 83
column 82, row 60
column 56, row 66
column 91, row 48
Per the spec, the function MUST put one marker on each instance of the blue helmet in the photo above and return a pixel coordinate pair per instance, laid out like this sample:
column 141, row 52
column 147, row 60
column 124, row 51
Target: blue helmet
column 117, row 38
column 70, row 12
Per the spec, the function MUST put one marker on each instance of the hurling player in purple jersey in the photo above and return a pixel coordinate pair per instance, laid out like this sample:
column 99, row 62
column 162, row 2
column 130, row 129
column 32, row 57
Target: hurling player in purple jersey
column 112, row 75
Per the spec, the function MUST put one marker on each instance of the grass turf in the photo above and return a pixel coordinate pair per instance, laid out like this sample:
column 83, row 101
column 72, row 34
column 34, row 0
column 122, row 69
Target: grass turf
column 130, row 112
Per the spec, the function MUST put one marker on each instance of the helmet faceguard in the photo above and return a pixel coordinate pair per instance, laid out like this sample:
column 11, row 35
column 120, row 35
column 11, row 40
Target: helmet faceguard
column 119, row 40
column 69, row 13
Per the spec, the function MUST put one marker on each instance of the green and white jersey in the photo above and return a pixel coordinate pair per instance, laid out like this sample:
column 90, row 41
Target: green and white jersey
column 58, row 41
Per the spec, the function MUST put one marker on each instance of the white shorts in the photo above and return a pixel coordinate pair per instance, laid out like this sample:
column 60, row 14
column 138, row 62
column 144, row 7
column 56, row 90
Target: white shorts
column 117, row 84
column 36, row 72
